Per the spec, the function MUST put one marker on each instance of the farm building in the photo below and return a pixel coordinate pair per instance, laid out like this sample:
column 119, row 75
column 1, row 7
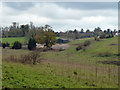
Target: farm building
column 60, row 41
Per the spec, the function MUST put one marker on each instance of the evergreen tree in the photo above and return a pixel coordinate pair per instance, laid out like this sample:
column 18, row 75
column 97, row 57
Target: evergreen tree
column 31, row 44
column 3, row 45
column 17, row 45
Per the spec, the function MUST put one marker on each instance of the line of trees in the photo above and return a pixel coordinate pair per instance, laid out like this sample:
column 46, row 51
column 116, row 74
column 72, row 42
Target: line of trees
column 44, row 35
column 76, row 34
column 18, row 32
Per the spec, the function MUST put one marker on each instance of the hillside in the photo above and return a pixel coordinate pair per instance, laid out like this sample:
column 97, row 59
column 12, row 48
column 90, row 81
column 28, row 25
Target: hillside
column 65, row 69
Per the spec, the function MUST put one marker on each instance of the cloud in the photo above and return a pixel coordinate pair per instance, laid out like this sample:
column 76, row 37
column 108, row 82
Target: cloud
column 89, row 5
column 19, row 5
column 62, row 16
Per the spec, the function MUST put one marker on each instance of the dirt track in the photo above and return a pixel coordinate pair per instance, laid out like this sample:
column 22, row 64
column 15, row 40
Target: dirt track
column 61, row 46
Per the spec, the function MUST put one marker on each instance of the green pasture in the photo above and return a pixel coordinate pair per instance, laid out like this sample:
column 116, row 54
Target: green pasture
column 65, row 69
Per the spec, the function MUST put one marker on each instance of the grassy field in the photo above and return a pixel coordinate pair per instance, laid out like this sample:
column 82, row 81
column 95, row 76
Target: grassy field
column 57, row 37
column 65, row 69
column 11, row 40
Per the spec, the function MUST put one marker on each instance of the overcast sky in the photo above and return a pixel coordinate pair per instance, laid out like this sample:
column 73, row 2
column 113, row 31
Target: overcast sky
column 62, row 16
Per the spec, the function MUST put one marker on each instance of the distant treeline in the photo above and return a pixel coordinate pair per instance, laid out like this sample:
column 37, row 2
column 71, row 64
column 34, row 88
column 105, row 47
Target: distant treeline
column 43, row 35
column 26, row 31
column 76, row 34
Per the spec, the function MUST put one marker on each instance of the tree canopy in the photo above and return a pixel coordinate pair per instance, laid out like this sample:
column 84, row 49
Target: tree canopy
column 46, row 37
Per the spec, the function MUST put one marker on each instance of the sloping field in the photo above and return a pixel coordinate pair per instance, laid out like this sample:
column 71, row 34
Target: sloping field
column 65, row 69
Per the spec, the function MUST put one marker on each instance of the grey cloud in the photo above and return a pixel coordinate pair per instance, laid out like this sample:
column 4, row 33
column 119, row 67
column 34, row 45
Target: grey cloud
column 72, row 5
column 89, row 5
column 62, row 16
column 19, row 5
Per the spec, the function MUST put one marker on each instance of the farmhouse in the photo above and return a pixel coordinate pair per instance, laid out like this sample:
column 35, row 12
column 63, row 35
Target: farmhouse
column 60, row 41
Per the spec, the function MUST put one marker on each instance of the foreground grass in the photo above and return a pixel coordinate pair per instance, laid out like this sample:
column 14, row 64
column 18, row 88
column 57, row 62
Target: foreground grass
column 25, row 76
column 16, row 75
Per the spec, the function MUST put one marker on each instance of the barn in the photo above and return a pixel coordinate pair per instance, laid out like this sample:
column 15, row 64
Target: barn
column 60, row 41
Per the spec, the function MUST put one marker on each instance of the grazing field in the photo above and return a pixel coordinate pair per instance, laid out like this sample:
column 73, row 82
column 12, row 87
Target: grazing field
column 57, row 37
column 65, row 69
column 11, row 40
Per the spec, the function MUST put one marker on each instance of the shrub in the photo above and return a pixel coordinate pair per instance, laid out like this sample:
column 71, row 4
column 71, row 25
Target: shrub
column 87, row 43
column 118, row 54
column 104, row 54
column 31, row 44
column 79, row 47
column 7, row 44
column 3, row 45
column 102, row 36
column 82, row 46
column 34, row 56
column 31, row 58
column 110, row 36
column 17, row 45
column 75, row 73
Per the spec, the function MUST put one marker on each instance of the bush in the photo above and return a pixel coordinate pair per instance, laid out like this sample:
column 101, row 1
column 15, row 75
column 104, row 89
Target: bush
column 7, row 44
column 104, row 54
column 75, row 73
column 82, row 46
column 17, row 45
column 31, row 44
column 102, row 36
column 109, row 36
column 79, row 47
column 3, row 45
column 30, row 58
column 34, row 56
column 87, row 43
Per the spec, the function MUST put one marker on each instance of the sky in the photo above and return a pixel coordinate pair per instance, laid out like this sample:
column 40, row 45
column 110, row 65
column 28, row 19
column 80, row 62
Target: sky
column 62, row 16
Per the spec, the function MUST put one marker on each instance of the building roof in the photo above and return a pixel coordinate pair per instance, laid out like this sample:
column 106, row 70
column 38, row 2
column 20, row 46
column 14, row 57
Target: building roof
column 63, row 39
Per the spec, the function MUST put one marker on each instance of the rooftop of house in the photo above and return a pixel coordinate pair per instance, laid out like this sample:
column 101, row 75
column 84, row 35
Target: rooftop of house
column 62, row 39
